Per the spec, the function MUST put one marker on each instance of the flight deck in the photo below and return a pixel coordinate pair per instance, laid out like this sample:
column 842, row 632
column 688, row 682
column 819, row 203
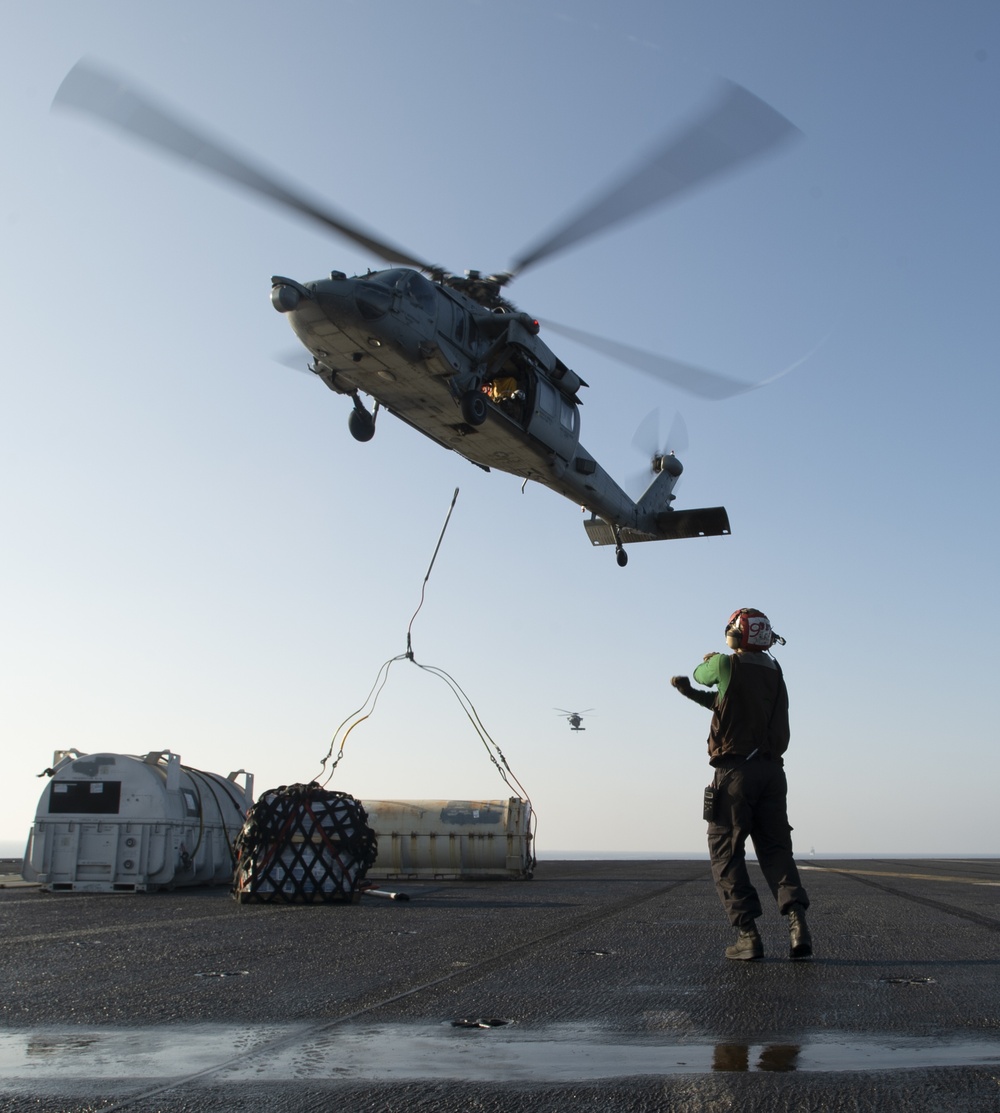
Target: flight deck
column 595, row 985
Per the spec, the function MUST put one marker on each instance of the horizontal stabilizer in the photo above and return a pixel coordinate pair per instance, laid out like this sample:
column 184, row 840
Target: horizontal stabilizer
column 711, row 521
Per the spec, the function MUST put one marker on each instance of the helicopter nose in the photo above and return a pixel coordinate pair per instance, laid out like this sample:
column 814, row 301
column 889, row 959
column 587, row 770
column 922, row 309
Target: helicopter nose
column 286, row 293
column 285, row 298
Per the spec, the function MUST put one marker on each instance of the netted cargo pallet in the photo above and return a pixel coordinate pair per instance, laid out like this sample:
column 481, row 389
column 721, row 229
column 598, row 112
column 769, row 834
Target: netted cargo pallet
column 303, row 843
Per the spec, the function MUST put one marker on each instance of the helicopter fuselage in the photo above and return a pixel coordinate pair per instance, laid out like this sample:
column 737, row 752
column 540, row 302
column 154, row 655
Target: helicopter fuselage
column 474, row 378
column 449, row 355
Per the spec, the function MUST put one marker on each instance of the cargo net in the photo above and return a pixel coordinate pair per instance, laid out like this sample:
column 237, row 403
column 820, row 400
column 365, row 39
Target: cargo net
column 303, row 843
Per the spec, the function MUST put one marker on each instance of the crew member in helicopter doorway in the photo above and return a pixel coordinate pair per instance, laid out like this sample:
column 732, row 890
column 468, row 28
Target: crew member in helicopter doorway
column 747, row 797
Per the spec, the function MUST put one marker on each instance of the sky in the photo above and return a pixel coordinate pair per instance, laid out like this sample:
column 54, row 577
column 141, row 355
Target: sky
column 197, row 556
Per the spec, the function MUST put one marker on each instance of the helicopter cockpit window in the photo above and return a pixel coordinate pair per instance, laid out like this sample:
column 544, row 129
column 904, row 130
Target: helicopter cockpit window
column 548, row 400
column 390, row 278
column 567, row 414
column 374, row 294
column 421, row 292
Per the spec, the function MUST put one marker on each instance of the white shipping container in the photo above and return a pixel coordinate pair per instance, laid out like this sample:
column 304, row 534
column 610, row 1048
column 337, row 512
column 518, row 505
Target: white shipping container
column 113, row 823
column 451, row 839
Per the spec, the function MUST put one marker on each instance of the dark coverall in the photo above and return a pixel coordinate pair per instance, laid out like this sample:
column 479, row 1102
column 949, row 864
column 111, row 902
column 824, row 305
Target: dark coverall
column 749, row 733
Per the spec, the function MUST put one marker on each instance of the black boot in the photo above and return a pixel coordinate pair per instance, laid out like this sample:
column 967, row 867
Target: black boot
column 799, row 938
column 747, row 946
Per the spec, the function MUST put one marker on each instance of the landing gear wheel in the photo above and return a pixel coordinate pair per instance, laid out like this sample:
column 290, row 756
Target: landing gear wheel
column 361, row 424
column 474, row 407
column 622, row 557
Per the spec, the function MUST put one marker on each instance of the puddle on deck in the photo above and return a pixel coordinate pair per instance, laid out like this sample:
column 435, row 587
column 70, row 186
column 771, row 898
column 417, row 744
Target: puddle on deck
column 493, row 1052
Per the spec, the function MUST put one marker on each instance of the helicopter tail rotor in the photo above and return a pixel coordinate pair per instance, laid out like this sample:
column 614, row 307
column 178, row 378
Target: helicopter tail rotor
column 661, row 453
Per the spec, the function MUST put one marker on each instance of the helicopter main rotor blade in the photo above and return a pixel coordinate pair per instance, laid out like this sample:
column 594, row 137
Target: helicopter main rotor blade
column 738, row 128
column 684, row 376
column 90, row 90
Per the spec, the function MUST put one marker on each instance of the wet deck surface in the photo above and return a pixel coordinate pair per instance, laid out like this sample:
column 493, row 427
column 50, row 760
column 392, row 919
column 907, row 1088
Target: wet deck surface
column 594, row 986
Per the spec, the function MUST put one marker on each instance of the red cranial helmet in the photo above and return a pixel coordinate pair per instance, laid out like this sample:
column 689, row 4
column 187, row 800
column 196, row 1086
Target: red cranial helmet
column 750, row 629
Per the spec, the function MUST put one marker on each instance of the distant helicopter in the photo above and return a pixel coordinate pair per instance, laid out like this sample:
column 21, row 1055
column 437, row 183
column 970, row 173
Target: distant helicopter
column 450, row 355
column 575, row 717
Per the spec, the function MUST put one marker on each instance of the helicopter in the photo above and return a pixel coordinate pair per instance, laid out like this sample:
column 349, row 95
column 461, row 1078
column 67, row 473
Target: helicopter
column 450, row 355
column 575, row 717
